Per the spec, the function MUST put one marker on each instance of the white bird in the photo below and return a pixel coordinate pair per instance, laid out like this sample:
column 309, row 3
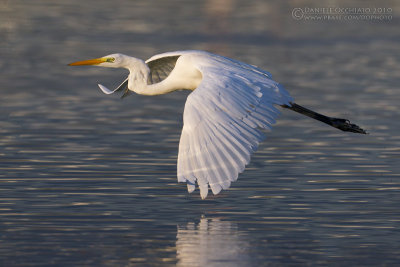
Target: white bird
column 223, row 117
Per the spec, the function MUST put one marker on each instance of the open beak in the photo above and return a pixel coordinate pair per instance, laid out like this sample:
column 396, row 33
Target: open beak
column 95, row 61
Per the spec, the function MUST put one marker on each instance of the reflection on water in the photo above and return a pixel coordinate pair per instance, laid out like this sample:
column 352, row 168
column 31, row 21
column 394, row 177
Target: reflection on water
column 90, row 180
column 211, row 242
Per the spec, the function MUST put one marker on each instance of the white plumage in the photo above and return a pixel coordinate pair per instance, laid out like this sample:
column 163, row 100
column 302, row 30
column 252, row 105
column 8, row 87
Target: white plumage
column 223, row 117
column 222, row 121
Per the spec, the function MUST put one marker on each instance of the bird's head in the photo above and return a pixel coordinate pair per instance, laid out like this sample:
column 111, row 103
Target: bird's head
column 110, row 61
column 138, row 70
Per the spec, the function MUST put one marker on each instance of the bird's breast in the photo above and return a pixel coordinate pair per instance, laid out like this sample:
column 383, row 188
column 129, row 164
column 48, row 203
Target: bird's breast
column 185, row 74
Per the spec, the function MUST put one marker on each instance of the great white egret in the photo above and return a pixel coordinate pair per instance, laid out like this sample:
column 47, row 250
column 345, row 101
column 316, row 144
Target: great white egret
column 231, row 102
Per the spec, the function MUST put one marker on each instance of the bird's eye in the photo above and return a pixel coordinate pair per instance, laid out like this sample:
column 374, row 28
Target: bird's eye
column 110, row 59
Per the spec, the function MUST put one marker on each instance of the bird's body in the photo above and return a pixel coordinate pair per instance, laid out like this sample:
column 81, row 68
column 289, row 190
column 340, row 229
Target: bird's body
column 223, row 117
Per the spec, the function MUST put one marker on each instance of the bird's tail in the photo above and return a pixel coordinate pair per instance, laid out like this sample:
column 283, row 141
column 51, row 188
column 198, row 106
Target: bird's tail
column 341, row 124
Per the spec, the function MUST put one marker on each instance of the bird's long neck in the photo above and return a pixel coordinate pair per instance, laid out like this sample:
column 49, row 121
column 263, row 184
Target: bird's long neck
column 138, row 77
column 138, row 74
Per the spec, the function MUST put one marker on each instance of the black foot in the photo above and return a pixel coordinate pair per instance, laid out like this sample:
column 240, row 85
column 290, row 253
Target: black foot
column 346, row 126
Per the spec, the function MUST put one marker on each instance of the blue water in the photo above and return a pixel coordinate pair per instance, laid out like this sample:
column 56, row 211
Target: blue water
column 90, row 180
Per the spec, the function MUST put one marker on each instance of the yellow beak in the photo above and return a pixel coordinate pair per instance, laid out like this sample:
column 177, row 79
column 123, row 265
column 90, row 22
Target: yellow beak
column 95, row 61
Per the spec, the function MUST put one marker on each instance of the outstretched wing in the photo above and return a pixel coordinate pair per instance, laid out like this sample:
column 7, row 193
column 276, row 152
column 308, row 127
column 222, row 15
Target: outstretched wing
column 223, row 119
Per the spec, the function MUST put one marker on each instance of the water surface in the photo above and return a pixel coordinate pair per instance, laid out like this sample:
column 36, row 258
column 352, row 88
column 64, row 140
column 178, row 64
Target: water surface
column 90, row 180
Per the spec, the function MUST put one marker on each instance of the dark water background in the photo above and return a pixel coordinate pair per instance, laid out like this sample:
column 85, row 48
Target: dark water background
column 90, row 180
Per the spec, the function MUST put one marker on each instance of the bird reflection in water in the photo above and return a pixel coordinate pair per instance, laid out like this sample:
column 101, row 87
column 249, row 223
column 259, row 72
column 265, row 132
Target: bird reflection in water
column 211, row 242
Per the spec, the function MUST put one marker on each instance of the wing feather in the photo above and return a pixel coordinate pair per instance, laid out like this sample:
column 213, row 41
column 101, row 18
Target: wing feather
column 223, row 119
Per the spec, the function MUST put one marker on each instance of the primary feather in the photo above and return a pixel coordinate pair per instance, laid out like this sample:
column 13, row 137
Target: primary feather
column 222, row 120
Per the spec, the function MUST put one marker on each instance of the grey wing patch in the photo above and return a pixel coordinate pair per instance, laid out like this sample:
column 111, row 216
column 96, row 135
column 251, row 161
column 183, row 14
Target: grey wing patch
column 161, row 68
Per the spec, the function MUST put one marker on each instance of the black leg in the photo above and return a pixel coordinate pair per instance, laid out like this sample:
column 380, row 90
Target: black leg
column 341, row 124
